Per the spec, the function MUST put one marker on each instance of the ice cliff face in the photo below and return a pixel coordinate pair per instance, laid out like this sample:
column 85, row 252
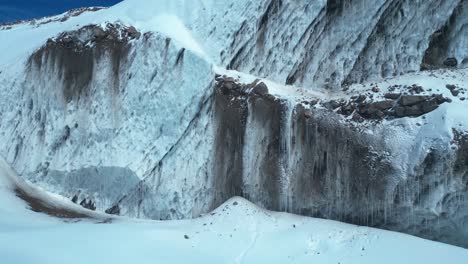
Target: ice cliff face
column 400, row 174
column 90, row 95
column 324, row 44
column 120, row 109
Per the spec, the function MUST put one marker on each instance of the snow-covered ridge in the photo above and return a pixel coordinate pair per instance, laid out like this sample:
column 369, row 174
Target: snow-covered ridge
column 273, row 39
column 46, row 20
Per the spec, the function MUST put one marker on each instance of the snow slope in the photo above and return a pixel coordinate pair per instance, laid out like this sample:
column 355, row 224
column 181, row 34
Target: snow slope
column 288, row 30
column 236, row 232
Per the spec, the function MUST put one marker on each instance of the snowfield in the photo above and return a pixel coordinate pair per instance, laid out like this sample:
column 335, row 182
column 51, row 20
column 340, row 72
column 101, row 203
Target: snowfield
column 236, row 232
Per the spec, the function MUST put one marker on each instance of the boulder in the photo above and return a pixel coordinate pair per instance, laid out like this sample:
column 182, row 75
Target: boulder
column 455, row 92
column 383, row 105
column 229, row 85
column 408, row 111
column 332, row 105
column 375, row 110
column 314, row 102
column 440, row 99
column 99, row 33
column 357, row 117
column 429, row 106
column 392, row 96
column 361, row 98
column 451, row 62
column 133, row 33
column 88, row 204
column 416, row 89
column 348, row 109
column 409, row 100
column 260, row 89
column 114, row 210
column 451, row 86
column 418, row 109
column 453, row 89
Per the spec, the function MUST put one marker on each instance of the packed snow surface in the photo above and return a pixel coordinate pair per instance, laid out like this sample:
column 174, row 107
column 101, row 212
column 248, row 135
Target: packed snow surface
column 159, row 16
column 236, row 232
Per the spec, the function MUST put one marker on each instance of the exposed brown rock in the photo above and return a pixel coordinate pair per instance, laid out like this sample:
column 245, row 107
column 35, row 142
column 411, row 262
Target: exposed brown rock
column 392, row 96
column 40, row 206
column 409, row 100
column 260, row 89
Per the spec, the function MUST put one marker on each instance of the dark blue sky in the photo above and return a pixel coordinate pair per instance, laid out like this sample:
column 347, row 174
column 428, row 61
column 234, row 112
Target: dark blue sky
column 12, row 10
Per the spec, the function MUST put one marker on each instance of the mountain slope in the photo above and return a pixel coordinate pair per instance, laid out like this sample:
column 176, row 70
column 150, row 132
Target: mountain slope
column 131, row 110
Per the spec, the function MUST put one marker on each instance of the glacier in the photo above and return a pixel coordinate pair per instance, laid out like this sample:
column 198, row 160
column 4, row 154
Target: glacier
column 150, row 110
column 246, row 232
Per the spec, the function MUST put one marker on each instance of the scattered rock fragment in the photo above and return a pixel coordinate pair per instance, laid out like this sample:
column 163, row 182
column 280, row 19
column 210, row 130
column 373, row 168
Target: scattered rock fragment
column 314, row 102
column 88, row 204
column 395, row 106
column 416, row 89
column 451, row 86
column 455, row 92
column 453, row 89
column 114, row 210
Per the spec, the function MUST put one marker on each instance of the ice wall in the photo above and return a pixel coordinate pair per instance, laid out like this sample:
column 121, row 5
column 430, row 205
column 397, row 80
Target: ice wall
column 96, row 108
column 289, row 157
column 327, row 44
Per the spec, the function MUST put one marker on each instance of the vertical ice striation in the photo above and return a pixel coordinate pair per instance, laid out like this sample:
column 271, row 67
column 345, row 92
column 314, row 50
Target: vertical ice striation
column 287, row 155
column 261, row 175
column 325, row 44
column 308, row 161
column 90, row 95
